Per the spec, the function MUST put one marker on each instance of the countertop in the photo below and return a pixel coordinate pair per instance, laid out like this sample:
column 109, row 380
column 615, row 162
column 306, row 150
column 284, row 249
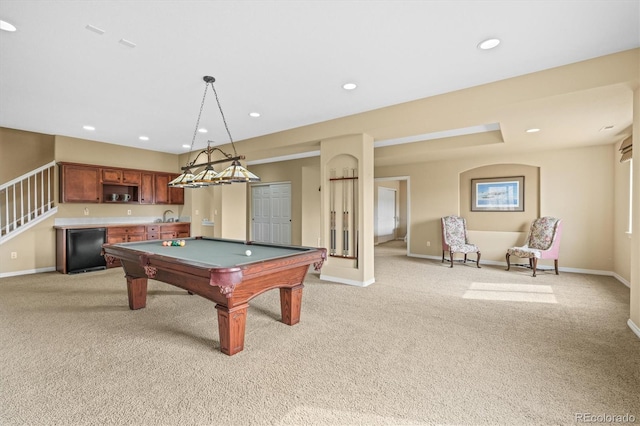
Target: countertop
column 113, row 225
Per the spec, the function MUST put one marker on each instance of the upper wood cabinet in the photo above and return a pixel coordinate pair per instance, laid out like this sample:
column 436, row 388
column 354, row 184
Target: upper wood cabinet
column 161, row 182
column 176, row 195
column 147, row 188
column 121, row 176
column 82, row 183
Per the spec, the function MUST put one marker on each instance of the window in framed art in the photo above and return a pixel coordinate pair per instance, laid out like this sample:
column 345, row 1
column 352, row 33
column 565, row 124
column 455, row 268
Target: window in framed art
column 504, row 194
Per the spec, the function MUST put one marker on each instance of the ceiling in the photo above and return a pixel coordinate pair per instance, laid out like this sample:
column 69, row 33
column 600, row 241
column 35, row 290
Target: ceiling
column 135, row 68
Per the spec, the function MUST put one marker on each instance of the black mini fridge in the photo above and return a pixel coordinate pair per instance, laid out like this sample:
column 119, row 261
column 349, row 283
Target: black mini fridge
column 84, row 248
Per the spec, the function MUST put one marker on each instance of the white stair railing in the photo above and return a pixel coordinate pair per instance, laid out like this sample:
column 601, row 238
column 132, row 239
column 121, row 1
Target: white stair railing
column 26, row 199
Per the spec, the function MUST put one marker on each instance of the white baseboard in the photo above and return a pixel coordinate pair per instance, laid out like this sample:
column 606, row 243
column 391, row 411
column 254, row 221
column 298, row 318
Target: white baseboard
column 633, row 327
column 561, row 269
column 346, row 281
column 27, row 272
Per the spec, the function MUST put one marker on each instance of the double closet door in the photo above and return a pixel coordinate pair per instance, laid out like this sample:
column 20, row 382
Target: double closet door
column 271, row 213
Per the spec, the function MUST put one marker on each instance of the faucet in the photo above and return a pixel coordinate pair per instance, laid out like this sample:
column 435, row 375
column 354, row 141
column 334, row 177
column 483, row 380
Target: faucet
column 164, row 215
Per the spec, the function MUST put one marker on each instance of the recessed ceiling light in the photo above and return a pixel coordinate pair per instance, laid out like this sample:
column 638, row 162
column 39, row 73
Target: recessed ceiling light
column 186, row 146
column 254, row 114
column 534, row 130
column 607, row 128
column 202, row 130
column 87, row 127
column 349, row 86
column 488, row 44
column 144, row 138
column 5, row 26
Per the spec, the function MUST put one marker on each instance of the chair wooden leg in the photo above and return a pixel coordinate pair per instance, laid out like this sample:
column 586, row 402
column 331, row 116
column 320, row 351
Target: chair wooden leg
column 534, row 262
column 442, row 256
column 555, row 262
column 451, row 259
column 508, row 264
column 478, row 261
column 465, row 258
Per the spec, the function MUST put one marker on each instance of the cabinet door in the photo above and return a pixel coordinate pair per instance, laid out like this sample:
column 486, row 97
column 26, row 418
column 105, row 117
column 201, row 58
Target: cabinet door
column 130, row 177
column 111, row 176
column 176, row 195
column 79, row 184
column 180, row 230
column 116, row 238
column 167, row 235
column 161, row 188
column 146, row 188
column 183, row 230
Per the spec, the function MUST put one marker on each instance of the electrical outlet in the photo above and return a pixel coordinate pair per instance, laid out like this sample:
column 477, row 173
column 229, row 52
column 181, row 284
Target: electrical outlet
column 86, row 211
column 428, row 243
column 197, row 212
column 129, row 212
column 14, row 254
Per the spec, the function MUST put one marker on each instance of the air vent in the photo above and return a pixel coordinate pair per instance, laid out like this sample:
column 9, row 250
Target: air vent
column 95, row 29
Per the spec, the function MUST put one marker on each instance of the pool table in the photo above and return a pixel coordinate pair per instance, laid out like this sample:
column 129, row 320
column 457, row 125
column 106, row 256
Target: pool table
column 222, row 271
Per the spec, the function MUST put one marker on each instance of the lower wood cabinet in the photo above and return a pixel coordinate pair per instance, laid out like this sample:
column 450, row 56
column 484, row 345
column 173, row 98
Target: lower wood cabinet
column 126, row 234
column 117, row 234
column 172, row 231
column 159, row 231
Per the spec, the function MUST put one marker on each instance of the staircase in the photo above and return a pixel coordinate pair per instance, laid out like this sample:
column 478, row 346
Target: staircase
column 26, row 201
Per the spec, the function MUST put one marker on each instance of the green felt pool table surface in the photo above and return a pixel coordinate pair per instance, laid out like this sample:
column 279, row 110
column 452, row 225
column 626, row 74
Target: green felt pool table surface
column 216, row 252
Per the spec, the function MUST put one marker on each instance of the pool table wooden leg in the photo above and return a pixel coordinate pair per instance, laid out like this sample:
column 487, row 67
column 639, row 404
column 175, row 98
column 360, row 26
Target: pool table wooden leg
column 231, row 326
column 137, row 292
column 290, row 304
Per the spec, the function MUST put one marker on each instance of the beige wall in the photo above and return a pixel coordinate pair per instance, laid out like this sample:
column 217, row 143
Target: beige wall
column 621, row 237
column 36, row 247
column 582, row 197
column 575, row 185
column 21, row 152
column 311, row 215
column 635, row 238
column 337, row 154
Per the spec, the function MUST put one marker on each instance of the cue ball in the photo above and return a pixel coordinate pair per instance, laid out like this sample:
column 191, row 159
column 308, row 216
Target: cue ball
column 248, row 252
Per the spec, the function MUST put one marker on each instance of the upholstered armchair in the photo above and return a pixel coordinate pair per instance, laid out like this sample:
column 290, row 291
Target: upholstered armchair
column 455, row 240
column 543, row 242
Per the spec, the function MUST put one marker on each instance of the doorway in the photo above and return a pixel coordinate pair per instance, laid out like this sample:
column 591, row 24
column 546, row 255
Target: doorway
column 391, row 211
column 387, row 219
column 271, row 213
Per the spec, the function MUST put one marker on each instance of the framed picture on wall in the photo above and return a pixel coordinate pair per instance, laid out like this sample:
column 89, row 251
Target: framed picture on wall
column 504, row 194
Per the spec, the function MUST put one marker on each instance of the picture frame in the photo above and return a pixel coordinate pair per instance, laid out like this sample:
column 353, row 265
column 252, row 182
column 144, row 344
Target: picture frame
column 500, row 194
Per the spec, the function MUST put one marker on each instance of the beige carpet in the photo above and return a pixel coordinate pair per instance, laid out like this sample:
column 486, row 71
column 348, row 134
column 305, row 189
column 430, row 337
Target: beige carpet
column 423, row 345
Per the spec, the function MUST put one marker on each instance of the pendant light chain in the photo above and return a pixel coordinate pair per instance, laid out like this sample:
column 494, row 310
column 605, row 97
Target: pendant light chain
column 235, row 154
column 234, row 173
column 195, row 132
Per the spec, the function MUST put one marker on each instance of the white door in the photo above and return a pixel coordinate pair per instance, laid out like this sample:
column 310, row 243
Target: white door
column 386, row 214
column 281, row 213
column 261, row 205
column 272, row 213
